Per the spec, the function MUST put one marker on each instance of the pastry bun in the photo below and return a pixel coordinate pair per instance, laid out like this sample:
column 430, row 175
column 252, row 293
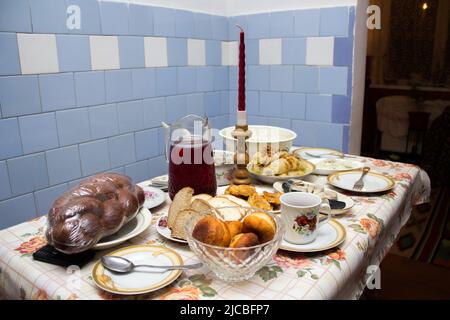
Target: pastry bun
column 243, row 240
column 212, row 231
column 234, row 227
column 260, row 223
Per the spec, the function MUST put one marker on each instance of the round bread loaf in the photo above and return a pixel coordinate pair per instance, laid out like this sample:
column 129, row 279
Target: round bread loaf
column 212, row 231
column 98, row 207
column 262, row 224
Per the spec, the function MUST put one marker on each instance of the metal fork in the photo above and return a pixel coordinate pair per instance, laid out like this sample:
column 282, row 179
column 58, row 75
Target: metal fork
column 360, row 183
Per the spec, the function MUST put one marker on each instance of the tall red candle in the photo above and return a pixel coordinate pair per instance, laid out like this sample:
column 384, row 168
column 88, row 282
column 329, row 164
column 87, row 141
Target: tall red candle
column 241, row 80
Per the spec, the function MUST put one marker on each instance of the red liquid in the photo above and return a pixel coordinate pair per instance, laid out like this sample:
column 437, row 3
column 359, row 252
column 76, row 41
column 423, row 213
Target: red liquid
column 191, row 164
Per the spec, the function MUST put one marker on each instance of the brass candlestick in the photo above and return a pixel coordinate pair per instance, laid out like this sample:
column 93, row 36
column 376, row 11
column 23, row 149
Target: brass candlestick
column 241, row 158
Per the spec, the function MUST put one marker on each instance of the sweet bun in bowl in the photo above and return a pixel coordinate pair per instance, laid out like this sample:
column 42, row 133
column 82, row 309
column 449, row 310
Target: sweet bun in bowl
column 243, row 240
column 212, row 231
column 260, row 223
column 234, row 227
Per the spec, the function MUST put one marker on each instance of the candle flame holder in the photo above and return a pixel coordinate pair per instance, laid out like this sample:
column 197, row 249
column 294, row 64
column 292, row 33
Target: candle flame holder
column 241, row 159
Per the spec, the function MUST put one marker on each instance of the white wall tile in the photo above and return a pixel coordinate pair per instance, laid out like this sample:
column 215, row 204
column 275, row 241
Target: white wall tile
column 230, row 53
column 196, row 52
column 155, row 51
column 270, row 51
column 38, row 53
column 104, row 52
column 320, row 51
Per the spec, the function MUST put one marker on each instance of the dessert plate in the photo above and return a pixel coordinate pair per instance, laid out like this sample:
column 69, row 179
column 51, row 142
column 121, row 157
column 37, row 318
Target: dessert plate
column 373, row 182
column 163, row 230
column 133, row 228
column 329, row 236
column 153, row 197
column 142, row 281
column 317, row 153
column 326, row 166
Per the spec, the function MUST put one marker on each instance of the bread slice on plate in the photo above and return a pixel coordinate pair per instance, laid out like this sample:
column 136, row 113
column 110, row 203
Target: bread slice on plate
column 238, row 201
column 202, row 196
column 227, row 214
column 181, row 201
column 201, row 205
column 185, row 217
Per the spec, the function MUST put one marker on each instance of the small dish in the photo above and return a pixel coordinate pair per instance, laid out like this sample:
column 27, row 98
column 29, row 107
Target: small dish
column 317, row 152
column 138, row 282
column 373, row 182
column 133, row 228
column 330, row 235
column 163, row 230
column 309, row 168
column 153, row 197
column 326, row 166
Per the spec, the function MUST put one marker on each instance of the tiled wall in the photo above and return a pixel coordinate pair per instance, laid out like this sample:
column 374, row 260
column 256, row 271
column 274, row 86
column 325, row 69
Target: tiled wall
column 77, row 102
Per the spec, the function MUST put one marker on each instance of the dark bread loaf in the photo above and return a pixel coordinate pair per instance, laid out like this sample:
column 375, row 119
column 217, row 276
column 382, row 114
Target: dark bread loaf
column 97, row 208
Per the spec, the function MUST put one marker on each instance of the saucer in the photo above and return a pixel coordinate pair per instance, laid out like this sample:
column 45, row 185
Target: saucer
column 153, row 197
column 165, row 231
column 330, row 235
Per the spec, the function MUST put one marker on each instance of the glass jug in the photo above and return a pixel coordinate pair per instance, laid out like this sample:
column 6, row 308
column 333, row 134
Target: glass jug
column 190, row 155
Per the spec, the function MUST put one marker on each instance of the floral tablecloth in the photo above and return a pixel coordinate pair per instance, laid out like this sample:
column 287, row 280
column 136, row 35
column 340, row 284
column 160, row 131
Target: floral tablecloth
column 340, row 273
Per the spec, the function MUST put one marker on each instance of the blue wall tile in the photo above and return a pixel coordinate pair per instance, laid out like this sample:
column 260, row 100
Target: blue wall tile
column 186, row 79
column 281, row 78
column 270, row 104
column 257, row 121
column 131, row 50
column 345, row 139
column 252, row 102
column 147, row 144
column 121, row 150
column 90, row 16
column 252, row 51
column 195, row 104
column 161, row 140
column 176, row 51
column 9, row 54
column 219, row 27
column 103, row 121
column 166, row 81
column 281, row 24
column 306, row 79
column 138, row 171
column 38, row 132
column 114, row 18
column 233, row 31
column 154, row 112
column 144, row 83
column 224, row 102
column 48, row 16
column 15, row 16
column 333, row 80
column 184, row 24
column 205, row 79
column 73, row 126
column 202, row 26
column 343, row 51
column 164, row 21
column 293, row 105
column 73, row 52
column 294, row 50
column 5, row 188
column 220, row 78
column 45, row 198
column 17, row 210
column 212, row 104
column 130, row 115
column 318, row 107
column 280, row 122
column 27, row 173
column 307, row 23
column 118, row 85
column 57, row 91
column 140, row 20
column 213, row 52
column 341, row 109
column 233, row 101
column 90, row 88
column 94, row 156
column 258, row 26
column 119, row 170
column 157, row 166
column 258, row 77
column 334, row 21
column 10, row 146
column 233, row 77
column 175, row 107
column 12, row 99
column 329, row 135
column 63, row 164
column 306, row 133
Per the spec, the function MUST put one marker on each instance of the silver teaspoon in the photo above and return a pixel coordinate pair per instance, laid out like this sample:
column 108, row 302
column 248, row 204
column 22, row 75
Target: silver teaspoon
column 123, row 265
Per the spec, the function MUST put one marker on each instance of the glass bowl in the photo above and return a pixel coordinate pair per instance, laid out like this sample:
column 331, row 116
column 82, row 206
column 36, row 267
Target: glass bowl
column 236, row 264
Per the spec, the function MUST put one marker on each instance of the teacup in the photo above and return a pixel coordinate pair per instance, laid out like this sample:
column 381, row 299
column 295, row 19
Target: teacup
column 300, row 212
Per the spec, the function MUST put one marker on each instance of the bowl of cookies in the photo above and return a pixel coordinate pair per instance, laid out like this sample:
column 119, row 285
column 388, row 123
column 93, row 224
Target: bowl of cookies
column 235, row 249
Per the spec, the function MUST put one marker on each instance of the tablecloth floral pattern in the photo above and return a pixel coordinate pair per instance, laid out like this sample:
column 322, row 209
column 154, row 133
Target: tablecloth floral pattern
column 340, row 273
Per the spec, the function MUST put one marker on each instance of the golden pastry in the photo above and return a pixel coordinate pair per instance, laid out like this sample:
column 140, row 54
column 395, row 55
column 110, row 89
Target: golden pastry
column 258, row 201
column 242, row 191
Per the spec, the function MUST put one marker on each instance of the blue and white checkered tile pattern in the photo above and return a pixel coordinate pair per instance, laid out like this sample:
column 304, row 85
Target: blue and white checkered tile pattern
column 74, row 102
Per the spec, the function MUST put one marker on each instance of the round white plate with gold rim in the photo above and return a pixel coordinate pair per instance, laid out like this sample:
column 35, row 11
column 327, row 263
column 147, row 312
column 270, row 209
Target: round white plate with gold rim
column 317, row 153
column 329, row 235
column 131, row 229
column 138, row 282
column 373, row 182
column 326, row 166
column 163, row 229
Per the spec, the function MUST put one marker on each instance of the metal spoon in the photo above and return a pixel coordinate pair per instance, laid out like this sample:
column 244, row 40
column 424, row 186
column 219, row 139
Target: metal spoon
column 123, row 265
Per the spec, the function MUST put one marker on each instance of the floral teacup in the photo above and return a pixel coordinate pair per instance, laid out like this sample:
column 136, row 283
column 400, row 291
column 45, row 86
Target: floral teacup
column 300, row 212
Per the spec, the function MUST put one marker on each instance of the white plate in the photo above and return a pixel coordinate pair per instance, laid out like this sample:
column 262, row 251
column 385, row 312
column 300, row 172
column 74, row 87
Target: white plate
column 329, row 236
column 373, row 182
column 153, row 197
column 318, row 152
column 349, row 203
column 139, row 282
column 328, row 166
column 133, row 228
column 165, row 231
